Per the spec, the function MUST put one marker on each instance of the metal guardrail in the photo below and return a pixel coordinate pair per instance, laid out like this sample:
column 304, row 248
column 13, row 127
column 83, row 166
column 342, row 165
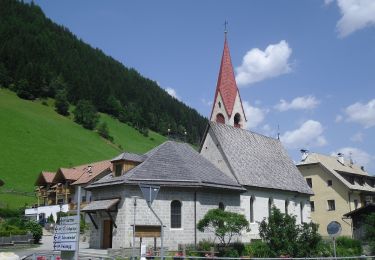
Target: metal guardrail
column 56, row 256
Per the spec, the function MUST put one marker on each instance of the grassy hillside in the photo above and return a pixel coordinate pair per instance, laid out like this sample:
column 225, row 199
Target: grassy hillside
column 33, row 137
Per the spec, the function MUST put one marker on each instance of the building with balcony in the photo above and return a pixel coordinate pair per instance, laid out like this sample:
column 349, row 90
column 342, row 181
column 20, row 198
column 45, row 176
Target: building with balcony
column 57, row 191
column 339, row 186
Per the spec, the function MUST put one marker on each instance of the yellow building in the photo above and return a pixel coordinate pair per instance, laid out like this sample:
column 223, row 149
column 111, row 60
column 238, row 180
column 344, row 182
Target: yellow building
column 339, row 186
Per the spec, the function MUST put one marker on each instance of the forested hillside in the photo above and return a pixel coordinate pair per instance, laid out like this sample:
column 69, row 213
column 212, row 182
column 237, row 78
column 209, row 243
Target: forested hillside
column 34, row 52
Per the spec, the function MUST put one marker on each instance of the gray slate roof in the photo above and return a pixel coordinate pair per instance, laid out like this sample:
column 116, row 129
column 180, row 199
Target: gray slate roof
column 257, row 160
column 173, row 164
column 100, row 205
column 129, row 157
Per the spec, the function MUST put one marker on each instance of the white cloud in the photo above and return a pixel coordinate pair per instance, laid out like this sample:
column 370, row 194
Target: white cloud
column 258, row 65
column 358, row 137
column 254, row 115
column 206, row 102
column 363, row 114
column 172, row 92
column 359, row 156
column 298, row 103
column 339, row 118
column 309, row 134
column 355, row 15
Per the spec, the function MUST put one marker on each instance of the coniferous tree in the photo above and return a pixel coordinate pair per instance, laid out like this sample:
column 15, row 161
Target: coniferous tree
column 61, row 102
column 85, row 114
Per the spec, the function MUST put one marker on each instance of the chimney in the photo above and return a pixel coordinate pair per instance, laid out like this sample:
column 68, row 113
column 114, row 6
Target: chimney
column 340, row 158
column 304, row 153
column 89, row 170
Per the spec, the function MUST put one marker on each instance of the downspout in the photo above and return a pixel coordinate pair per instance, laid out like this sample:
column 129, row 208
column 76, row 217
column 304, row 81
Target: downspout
column 350, row 209
column 195, row 219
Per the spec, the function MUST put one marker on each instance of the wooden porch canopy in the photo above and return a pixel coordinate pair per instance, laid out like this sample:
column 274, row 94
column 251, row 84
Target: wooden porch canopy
column 107, row 206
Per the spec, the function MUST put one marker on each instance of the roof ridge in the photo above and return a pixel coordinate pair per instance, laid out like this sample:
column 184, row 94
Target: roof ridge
column 246, row 130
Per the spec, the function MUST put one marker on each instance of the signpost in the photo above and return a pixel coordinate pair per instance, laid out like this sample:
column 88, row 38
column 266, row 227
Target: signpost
column 149, row 194
column 66, row 235
column 334, row 230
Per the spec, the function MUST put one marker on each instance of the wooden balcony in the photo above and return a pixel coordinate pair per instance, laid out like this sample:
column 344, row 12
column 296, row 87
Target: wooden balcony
column 64, row 191
column 42, row 193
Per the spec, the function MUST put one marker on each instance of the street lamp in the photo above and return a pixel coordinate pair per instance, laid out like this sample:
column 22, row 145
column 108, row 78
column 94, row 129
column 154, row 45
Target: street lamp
column 135, row 206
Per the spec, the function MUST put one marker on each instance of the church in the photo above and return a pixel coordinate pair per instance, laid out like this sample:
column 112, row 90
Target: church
column 235, row 169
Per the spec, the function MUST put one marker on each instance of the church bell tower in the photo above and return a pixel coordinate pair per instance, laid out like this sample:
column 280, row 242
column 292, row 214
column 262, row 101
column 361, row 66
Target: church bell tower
column 227, row 106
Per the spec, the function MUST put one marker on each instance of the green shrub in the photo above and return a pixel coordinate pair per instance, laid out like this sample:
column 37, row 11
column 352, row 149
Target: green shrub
column 7, row 230
column 35, row 229
column 8, row 213
column 258, row 249
column 324, row 249
column 230, row 252
column 346, row 246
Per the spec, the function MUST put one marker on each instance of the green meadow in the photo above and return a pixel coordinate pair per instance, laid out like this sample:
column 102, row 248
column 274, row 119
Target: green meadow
column 33, row 137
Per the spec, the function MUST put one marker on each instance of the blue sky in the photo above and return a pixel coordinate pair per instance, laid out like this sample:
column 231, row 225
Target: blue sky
column 307, row 66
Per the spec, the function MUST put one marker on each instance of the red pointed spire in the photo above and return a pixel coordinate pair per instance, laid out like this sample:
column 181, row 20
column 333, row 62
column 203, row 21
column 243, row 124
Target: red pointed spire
column 226, row 83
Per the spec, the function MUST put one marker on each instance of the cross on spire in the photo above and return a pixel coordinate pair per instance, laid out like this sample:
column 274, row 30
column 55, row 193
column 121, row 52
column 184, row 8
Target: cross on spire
column 225, row 27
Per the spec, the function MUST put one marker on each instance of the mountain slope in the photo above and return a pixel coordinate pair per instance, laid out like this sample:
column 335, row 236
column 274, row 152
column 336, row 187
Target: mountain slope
column 33, row 137
column 35, row 51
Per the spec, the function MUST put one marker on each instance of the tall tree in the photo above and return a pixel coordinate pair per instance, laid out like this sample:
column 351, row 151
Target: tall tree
column 61, row 102
column 85, row 114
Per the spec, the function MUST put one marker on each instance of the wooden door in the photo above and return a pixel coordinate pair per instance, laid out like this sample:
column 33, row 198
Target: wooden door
column 107, row 234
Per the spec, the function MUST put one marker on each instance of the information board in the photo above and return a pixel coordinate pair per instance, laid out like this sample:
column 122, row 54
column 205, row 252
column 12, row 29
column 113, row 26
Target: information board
column 65, row 236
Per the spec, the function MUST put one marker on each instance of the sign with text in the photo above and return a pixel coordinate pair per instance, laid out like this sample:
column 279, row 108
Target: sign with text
column 66, row 246
column 65, row 236
column 69, row 220
column 58, row 238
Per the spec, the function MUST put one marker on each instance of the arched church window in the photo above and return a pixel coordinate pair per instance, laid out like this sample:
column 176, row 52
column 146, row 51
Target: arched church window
column 175, row 214
column 221, row 206
column 220, row 118
column 237, row 120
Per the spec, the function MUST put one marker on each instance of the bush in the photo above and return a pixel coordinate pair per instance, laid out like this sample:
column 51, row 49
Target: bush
column 35, row 229
column 257, row 249
column 347, row 246
column 286, row 238
column 7, row 230
column 103, row 131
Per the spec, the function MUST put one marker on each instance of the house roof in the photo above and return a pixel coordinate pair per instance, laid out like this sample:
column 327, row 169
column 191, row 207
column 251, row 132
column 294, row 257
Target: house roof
column 226, row 82
column 83, row 174
column 339, row 170
column 257, row 160
column 100, row 205
column 173, row 164
column 129, row 157
column 98, row 169
column 45, row 178
column 367, row 209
